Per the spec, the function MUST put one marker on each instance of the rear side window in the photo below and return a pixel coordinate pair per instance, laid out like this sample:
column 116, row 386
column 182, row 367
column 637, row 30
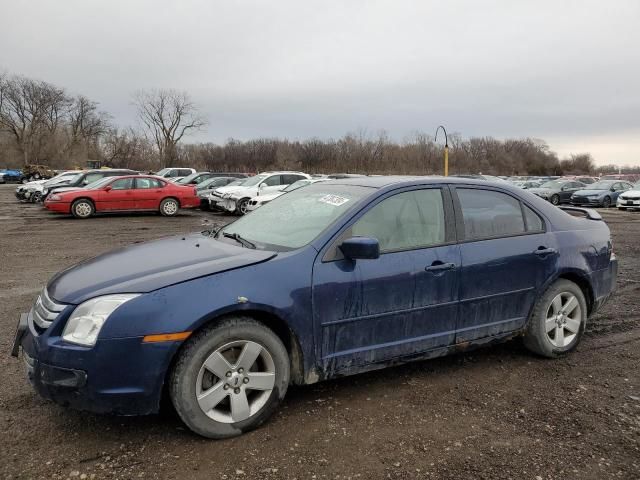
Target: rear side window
column 148, row 183
column 405, row 221
column 534, row 222
column 289, row 179
column 489, row 214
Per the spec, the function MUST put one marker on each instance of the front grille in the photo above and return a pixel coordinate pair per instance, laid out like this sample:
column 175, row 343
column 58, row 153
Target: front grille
column 580, row 200
column 631, row 198
column 45, row 311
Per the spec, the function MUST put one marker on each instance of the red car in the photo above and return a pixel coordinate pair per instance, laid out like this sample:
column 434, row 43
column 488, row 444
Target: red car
column 126, row 193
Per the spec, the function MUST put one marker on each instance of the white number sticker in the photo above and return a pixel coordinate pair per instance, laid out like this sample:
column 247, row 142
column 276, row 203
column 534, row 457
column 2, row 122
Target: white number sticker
column 335, row 200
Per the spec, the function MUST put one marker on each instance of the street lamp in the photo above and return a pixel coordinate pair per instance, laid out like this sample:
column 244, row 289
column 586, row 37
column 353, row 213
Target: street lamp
column 446, row 149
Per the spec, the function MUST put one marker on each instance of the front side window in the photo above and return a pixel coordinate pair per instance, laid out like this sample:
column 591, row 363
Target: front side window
column 122, row 184
column 92, row 177
column 272, row 181
column 489, row 214
column 405, row 221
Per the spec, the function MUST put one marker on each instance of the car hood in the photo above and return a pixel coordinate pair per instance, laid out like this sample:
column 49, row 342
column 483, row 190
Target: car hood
column 145, row 267
column 630, row 193
column 584, row 193
column 63, row 189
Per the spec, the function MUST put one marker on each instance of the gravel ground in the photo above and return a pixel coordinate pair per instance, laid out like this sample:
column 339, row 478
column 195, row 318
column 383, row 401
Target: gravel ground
column 498, row 412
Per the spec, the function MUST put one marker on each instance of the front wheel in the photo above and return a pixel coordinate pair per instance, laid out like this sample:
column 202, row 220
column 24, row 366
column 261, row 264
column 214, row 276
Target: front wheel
column 241, row 208
column 82, row 208
column 606, row 203
column 229, row 378
column 558, row 320
column 555, row 199
column 169, row 207
column 36, row 197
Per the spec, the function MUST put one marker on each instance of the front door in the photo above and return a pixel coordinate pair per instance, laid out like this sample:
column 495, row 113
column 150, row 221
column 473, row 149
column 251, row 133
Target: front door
column 370, row 311
column 120, row 197
column 506, row 257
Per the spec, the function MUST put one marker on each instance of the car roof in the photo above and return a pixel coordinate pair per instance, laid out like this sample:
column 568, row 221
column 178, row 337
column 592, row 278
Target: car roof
column 378, row 182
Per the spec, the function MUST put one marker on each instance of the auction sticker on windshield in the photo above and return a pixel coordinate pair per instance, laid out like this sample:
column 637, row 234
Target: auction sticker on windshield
column 335, row 200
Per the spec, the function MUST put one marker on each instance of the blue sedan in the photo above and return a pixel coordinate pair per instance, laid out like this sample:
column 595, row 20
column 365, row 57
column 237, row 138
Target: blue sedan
column 333, row 279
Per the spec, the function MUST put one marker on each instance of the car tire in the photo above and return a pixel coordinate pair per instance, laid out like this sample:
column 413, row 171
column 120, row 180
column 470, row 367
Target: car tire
column 555, row 199
column 36, row 197
column 622, row 208
column 558, row 320
column 606, row 202
column 82, row 208
column 208, row 403
column 169, row 207
column 241, row 208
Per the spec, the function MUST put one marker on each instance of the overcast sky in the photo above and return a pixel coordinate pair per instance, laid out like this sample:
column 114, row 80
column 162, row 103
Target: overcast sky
column 564, row 71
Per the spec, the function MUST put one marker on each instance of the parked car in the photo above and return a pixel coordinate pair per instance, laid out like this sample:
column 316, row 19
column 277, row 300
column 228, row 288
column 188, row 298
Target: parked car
column 32, row 191
column 600, row 194
column 235, row 199
column 199, row 177
column 558, row 191
column 124, row 194
column 488, row 178
column 630, row 199
column 206, row 188
column 527, row 184
column 584, row 179
column 85, row 178
column 260, row 200
column 175, row 172
column 10, row 175
column 334, row 279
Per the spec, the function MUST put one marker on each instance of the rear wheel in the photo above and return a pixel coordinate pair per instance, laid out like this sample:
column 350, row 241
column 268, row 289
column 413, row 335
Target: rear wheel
column 36, row 197
column 229, row 378
column 606, row 203
column 558, row 320
column 169, row 207
column 82, row 208
column 555, row 199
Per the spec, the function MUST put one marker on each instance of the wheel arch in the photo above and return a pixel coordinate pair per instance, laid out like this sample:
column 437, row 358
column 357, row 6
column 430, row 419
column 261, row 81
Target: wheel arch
column 583, row 282
column 171, row 197
column 272, row 321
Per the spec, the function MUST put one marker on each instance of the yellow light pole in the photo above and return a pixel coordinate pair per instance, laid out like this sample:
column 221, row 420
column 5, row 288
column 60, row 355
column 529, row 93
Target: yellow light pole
column 446, row 149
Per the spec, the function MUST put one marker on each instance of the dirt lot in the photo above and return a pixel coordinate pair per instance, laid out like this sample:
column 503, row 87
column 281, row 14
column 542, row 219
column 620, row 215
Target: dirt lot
column 493, row 413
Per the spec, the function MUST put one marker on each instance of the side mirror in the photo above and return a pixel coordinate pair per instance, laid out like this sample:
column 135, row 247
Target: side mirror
column 262, row 185
column 612, row 189
column 108, row 188
column 361, row 247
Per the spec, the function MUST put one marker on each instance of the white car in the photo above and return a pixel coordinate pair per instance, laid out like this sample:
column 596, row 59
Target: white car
column 630, row 199
column 235, row 199
column 171, row 172
column 261, row 199
column 32, row 191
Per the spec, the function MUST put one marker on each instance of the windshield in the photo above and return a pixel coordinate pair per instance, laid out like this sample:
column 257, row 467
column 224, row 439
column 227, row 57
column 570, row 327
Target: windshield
column 188, row 178
column 294, row 220
column 63, row 177
column 98, row 183
column 601, row 185
column 553, row 184
column 251, row 181
column 163, row 172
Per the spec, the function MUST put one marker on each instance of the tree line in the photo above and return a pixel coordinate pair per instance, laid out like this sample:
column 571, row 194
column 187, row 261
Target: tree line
column 41, row 123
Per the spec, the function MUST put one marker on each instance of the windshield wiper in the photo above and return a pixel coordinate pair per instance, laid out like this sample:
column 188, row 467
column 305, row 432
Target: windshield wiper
column 243, row 241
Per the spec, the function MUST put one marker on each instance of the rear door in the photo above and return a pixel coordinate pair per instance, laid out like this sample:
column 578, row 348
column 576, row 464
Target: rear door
column 506, row 256
column 370, row 311
column 148, row 192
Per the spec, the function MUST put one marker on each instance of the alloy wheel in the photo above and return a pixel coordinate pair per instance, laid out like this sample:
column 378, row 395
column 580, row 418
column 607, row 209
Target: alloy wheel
column 235, row 381
column 83, row 209
column 563, row 320
column 170, row 208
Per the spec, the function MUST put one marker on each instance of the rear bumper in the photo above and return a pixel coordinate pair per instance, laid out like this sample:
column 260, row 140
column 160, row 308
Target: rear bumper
column 604, row 284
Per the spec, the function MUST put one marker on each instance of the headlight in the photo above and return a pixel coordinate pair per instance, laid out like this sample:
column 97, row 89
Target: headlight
column 87, row 319
column 54, row 197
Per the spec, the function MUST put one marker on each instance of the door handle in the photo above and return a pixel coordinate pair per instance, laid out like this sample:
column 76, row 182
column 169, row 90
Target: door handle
column 545, row 251
column 438, row 266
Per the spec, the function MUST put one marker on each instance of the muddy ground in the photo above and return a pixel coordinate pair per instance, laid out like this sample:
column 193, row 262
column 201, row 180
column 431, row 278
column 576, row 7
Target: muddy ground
column 493, row 413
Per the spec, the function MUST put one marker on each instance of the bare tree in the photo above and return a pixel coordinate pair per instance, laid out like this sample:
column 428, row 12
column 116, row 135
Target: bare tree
column 31, row 111
column 168, row 115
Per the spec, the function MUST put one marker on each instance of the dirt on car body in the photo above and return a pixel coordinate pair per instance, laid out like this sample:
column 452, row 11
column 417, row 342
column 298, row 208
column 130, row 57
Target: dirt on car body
column 496, row 412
